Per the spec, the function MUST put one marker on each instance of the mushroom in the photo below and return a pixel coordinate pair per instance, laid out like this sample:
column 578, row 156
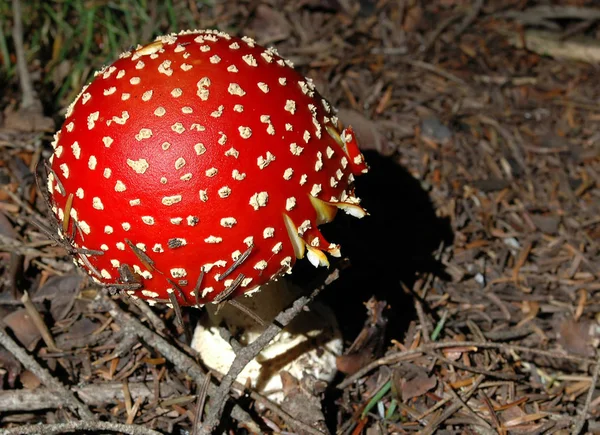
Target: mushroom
column 197, row 168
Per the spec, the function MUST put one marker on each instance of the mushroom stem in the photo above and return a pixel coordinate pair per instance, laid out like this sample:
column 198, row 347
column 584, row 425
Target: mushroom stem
column 308, row 346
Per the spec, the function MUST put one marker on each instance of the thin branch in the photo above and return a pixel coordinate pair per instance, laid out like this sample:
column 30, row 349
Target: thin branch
column 582, row 418
column 247, row 354
column 176, row 357
column 44, row 375
column 77, row 426
column 398, row 356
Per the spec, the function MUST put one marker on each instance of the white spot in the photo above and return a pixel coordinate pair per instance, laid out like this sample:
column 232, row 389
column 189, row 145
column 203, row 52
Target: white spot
column 290, row 203
column 187, row 110
column 202, row 85
column 135, row 80
column 178, row 127
column 150, row 294
column 211, row 172
column 145, row 133
column 192, row 221
column 178, row 272
column 263, row 87
column 139, row 166
column 295, row 149
column 186, row 66
column 232, row 68
column 134, row 202
column 261, row 265
column 268, row 232
column 122, row 120
column 228, row 222
column 305, row 226
column 282, row 81
column 148, row 220
column 222, row 139
column 157, row 248
column 105, row 274
column 224, row 192
column 232, row 152
column 290, row 106
column 107, row 172
column 203, row 195
column 237, row 175
column 97, row 203
column 238, row 108
column 303, row 179
column 330, row 152
column 126, row 226
column 179, row 163
column 263, row 162
column 176, row 93
column 165, row 68
column 78, row 193
column 235, row 89
column 170, row 200
column 65, row 170
column 147, row 95
column 76, row 150
column 160, row 111
column 91, row 119
column 200, row 148
column 287, row 174
column 259, row 199
column 249, row 59
column 108, row 229
column 120, row 246
column 215, row 59
column 176, row 220
column 107, row 141
column 84, row 226
column 245, row 132
column 213, row 239
column 277, row 248
column 119, row 186
column 217, row 113
column 306, row 136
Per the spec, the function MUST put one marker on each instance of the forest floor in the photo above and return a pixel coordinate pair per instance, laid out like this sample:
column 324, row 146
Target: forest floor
column 471, row 299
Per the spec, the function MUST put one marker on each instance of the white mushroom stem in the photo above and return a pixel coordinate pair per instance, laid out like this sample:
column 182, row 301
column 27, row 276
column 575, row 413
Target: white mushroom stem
column 309, row 345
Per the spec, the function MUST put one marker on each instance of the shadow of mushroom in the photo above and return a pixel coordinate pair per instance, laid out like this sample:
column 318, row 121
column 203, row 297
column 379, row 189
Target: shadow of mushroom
column 390, row 247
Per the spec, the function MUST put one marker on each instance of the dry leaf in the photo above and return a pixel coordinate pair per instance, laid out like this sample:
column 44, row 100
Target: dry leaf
column 575, row 337
column 23, row 327
column 61, row 292
column 29, row 380
column 410, row 380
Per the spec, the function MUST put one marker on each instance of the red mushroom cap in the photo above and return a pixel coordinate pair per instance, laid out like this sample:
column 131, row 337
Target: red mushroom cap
column 200, row 164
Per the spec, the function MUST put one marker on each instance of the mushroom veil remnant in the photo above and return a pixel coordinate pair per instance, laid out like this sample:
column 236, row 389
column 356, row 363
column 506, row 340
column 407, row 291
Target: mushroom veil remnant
column 198, row 168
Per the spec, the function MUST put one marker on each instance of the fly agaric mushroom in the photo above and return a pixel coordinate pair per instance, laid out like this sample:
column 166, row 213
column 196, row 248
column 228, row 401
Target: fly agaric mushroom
column 198, row 168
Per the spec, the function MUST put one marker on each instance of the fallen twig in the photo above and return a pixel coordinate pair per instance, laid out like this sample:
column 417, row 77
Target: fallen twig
column 76, row 426
column 398, row 356
column 582, row 417
column 93, row 394
column 246, row 354
column 44, row 375
column 179, row 359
